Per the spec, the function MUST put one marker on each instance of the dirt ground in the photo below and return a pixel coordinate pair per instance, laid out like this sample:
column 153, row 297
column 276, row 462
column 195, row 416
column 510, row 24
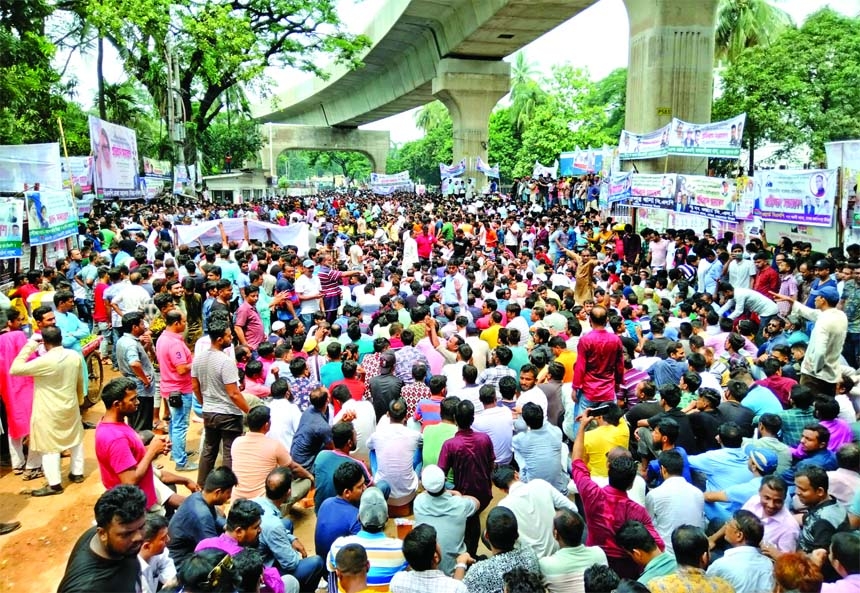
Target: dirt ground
column 33, row 558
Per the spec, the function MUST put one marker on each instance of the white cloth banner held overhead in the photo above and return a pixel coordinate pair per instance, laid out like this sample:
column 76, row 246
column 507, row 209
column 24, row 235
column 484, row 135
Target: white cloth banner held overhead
column 544, row 170
column 453, row 170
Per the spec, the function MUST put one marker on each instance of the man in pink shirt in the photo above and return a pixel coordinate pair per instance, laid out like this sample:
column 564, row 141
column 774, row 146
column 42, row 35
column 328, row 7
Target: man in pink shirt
column 122, row 457
column 248, row 326
column 255, row 455
column 174, row 361
column 599, row 367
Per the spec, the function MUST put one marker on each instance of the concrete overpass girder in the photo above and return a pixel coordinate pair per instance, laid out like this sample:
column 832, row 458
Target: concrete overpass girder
column 280, row 137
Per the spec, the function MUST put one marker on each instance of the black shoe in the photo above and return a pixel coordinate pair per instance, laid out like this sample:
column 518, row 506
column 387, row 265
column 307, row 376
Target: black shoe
column 9, row 527
column 47, row 491
column 88, row 425
column 76, row 478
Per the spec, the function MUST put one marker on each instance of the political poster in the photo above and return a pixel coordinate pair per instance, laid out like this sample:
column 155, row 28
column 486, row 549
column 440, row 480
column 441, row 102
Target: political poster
column 116, row 162
column 619, row 185
column 24, row 165
column 582, row 162
column 745, row 186
column 653, row 191
column 719, row 139
column 382, row 184
column 650, row 145
column 180, row 177
column 482, row 167
column 51, row 216
column 78, row 174
column 710, row 197
column 796, row 196
column 11, row 225
column 453, row 170
column 156, row 168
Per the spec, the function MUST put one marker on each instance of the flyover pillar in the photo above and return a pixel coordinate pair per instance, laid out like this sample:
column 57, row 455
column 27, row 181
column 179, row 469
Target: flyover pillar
column 470, row 90
column 670, row 70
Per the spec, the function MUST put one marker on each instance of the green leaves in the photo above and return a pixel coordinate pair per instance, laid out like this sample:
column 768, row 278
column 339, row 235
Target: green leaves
column 802, row 88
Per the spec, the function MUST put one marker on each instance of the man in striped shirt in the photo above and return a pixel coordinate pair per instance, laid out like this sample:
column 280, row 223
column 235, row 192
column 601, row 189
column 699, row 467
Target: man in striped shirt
column 331, row 280
column 385, row 554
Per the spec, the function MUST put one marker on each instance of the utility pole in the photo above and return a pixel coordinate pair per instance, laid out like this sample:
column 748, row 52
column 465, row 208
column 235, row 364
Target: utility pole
column 175, row 108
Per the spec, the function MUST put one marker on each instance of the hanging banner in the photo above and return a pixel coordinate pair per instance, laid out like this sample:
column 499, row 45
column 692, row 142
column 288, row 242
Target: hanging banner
column 28, row 164
column 81, row 174
column 650, row 145
column 711, row 197
column 388, row 184
column 51, row 216
column 745, row 188
column 116, row 163
column 85, row 205
column 156, row 168
column 540, row 170
column 582, row 162
column 619, row 186
column 799, row 196
column 492, row 172
column 454, row 170
column 11, row 223
column 654, row 191
column 720, row 139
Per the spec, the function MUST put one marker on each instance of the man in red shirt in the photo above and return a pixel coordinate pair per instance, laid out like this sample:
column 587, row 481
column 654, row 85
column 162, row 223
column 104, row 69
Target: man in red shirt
column 599, row 367
column 350, row 381
column 766, row 278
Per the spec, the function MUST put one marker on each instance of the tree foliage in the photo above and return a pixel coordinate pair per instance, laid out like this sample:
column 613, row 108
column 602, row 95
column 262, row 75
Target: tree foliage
column 217, row 45
column 802, row 89
column 354, row 166
column 422, row 157
column 747, row 23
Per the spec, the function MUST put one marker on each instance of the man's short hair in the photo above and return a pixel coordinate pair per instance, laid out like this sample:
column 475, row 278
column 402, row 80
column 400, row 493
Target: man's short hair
column 419, row 547
column 116, row 390
column 570, row 526
column 689, row 544
column 243, row 514
column 257, row 418
column 750, row 526
column 599, row 578
column 634, row 536
column 846, row 549
column 220, row 478
column 347, row 476
column 125, row 503
column 351, row 559
column 622, row 473
column 502, row 528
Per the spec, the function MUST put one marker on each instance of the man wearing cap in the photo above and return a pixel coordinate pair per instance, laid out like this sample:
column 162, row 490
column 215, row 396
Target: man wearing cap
column 821, row 367
column 719, row 505
column 822, row 270
column 384, row 554
column 447, row 512
column 279, row 330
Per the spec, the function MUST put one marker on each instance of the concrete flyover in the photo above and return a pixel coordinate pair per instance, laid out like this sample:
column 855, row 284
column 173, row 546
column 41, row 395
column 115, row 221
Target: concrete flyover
column 452, row 50
column 462, row 42
column 278, row 137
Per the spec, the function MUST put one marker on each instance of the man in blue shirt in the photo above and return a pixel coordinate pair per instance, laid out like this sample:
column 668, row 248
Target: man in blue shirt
column 812, row 450
column 719, row 505
column 280, row 548
column 197, row 518
column 314, row 431
column 338, row 516
column 725, row 467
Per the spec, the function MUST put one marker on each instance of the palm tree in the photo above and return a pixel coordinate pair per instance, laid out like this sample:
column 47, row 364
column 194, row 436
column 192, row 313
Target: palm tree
column 431, row 116
column 124, row 104
column 747, row 23
column 526, row 94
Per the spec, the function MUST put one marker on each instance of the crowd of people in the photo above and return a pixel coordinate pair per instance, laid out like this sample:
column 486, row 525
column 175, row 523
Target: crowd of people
column 654, row 411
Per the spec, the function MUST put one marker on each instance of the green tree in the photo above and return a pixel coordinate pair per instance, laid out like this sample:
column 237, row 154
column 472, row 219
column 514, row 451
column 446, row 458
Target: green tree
column 503, row 144
column 293, row 165
column 526, row 92
column 747, row 23
column 240, row 138
column 216, row 45
column 802, row 89
column 610, row 95
column 432, row 115
column 422, row 157
column 354, row 166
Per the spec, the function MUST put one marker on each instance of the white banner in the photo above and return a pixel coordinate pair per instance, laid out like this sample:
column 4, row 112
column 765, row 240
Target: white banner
column 799, row 196
column 716, row 139
column 481, row 166
column 544, row 170
column 208, row 232
column 393, row 179
column 29, row 164
column 710, row 197
column 619, row 187
column 11, row 223
column 116, row 163
column 454, row 170
column 650, row 145
column 654, row 191
column 51, row 216
column 81, row 173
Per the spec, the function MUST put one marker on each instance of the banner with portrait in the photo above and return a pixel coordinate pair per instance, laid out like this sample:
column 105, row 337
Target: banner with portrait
column 11, row 225
column 619, row 187
column 719, row 139
column 28, row 164
column 633, row 146
column 653, row 191
column 157, row 169
column 453, row 170
column 581, row 162
column 710, row 197
column 382, row 184
column 51, row 215
column 116, row 172
column 796, row 196
column 78, row 175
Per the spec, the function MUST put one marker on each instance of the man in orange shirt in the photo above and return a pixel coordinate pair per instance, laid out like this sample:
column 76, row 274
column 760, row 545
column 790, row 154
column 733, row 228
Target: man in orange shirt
column 563, row 356
column 255, row 455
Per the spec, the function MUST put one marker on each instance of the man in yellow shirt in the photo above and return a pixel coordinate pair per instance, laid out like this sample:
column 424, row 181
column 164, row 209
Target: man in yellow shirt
column 491, row 334
column 611, row 431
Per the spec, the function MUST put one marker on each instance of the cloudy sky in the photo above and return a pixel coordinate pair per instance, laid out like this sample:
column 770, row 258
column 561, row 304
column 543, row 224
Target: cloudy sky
column 595, row 39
